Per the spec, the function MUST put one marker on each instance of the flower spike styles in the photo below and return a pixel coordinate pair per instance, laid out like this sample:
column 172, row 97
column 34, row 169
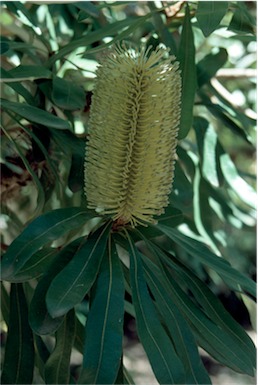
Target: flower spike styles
column 133, row 128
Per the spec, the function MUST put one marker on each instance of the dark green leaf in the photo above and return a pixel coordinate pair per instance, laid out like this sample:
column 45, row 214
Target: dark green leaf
column 68, row 95
column 164, row 33
column 215, row 311
column 120, row 36
column 207, row 144
column 34, row 114
column 36, row 266
column 209, row 65
column 104, row 328
column 172, row 217
column 242, row 21
column 42, row 354
column 223, row 210
column 18, row 8
column 68, row 142
column 41, row 349
column 92, row 37
column 180, row 332
column 186, row 57
column 159, row 349
column 88, row 8
column 245, row 192
column 75, row 280
column 38, row 233
column 182, row 193
column 41, row 147
column 221, row 113
column 29, row 72
column 79, row 336
column 5, row 303
column 41, row 193
column 247, row 123
column 220, row 265
column 4, row 47
column 76, row 175
column 40, row 320
column 16, row 86
column 19, row 350
column 209, row 15
column 211, row 337
column 57, row 368
column 20, row 46
column 222, row 344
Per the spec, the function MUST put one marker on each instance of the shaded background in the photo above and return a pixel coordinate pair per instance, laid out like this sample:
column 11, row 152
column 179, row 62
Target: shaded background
column 34, row 178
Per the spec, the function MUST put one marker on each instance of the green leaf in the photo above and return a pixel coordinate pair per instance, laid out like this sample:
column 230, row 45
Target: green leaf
column 4, row 47
column 41, row 147
column 220, row 265
column 182, row 193
column 218, row 341
column 215, row 311
column 223, row 210
column 19, row 9
column 57, row 368
column 164, row 361
column 244, row 191
column 19, row 350
column 30, row 72
column 92, row 37
column 67, row 141
column 203, row 212
column 163, row 31
column 42, row 230
column 242, row 21
column 120, row 36
column 35, row 266
column 41, row 350
column 210, row 336
column 209, row 15
column 42, row 354
column 222, row 114
column 209, row 65
column 186, row 57
column 207, row 141
column 6, row 77
column 210, row 167
column 68, row 95
column 5, row 303
column 88, row 9
column 247, row 123
column 180, row 332
column 76, row 174
column 41, row 193
column 40, row 320
column 75, row 280
column 104, row 327
column 172, row 217
column 79, row 336
column 36, row 115
column 18, row 46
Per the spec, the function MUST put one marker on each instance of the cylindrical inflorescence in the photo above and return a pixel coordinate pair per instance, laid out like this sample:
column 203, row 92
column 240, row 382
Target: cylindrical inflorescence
column 133, row 130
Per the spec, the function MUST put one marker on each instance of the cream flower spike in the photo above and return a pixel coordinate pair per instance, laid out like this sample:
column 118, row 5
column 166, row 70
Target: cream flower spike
column 133, row 128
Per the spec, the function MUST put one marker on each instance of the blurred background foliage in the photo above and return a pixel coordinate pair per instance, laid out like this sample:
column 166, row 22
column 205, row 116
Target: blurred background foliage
column 49, row 54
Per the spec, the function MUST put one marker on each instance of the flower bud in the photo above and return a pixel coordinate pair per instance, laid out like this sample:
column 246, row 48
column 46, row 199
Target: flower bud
column 133, row 128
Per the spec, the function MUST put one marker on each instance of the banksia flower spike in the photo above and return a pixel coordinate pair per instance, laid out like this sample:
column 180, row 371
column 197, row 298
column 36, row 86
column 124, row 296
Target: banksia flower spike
column 133, row 130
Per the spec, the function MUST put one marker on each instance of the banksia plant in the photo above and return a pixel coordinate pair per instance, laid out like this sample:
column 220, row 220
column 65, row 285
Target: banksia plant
column 133, row 130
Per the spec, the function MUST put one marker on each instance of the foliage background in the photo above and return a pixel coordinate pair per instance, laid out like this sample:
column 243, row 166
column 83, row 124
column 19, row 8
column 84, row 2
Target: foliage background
column 49, row 55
